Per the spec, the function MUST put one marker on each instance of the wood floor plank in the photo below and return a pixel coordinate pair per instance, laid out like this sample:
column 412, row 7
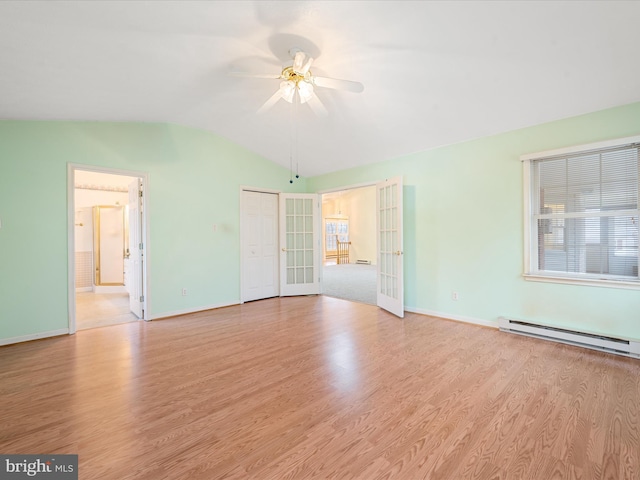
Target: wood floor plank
column 317, row 387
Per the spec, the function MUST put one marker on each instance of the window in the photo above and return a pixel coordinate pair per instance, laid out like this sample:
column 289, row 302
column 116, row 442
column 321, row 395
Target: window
column 582, row 208
column 335, row 229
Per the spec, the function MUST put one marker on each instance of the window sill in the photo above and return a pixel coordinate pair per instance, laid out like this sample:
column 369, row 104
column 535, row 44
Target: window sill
column 595, row 282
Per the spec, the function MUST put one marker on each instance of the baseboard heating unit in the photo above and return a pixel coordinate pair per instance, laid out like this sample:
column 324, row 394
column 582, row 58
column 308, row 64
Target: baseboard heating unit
column 618, row 346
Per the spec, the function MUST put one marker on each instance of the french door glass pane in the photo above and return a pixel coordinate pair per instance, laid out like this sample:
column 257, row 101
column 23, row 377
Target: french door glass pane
column 299, row 234
column 388, row 241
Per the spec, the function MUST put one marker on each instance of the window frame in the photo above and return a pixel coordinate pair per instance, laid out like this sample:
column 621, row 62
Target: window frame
column 337, row 235
column 530, row 271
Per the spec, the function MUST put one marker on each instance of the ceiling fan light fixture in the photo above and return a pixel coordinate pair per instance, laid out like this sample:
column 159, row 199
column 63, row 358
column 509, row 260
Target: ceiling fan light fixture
column 301, row 61
column 294, row 80
column 297, row 87
column 287, row 90
column 305, row 89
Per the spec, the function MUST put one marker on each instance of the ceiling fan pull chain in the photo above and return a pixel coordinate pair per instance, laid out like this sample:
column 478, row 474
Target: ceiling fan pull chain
column 291, row 140
column 296, row 103
column 291, row 146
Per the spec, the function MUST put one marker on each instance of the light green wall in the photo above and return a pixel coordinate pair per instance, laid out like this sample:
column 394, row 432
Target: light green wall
column 463, row 215
column 194, row 181
column 463, row 220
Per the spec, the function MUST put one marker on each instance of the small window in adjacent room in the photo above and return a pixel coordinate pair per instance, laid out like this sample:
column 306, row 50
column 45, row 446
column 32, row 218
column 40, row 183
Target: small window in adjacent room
column 582, row 214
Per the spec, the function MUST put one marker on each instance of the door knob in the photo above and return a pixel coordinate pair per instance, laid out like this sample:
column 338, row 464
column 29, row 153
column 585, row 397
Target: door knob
column 398, row 252
column 284, row 249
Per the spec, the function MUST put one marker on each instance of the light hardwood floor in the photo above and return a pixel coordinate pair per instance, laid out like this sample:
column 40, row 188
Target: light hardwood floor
column 102, row 309
column 317, row 387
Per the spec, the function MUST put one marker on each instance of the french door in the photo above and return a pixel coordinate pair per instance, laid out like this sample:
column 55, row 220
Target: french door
column 300, row 244
column 390, row 288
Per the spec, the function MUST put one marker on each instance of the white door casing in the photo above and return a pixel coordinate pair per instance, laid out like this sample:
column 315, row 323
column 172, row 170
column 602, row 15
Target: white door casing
column 143, row 178
column 136, row 250
column 390, row 288
column 260, row 268
column 299, row 244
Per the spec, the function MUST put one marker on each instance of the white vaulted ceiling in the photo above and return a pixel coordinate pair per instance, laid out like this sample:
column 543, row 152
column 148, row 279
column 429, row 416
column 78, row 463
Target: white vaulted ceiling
column 435, row 73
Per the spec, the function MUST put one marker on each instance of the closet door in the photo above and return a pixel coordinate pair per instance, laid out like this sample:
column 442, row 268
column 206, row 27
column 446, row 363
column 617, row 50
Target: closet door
column 260, row 276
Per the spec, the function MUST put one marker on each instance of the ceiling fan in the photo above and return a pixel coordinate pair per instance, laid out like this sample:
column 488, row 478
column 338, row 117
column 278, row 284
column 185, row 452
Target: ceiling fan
column 298, row 83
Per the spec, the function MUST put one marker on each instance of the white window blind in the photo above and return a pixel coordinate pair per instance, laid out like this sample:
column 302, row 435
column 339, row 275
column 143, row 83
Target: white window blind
column 584, row 214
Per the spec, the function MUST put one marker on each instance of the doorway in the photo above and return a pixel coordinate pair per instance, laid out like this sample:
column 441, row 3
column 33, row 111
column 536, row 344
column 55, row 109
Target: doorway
column 349, row 244
column 385, row 239
column 106, row 247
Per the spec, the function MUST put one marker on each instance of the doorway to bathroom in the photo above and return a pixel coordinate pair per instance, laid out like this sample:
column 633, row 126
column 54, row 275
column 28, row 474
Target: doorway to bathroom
column 107, row 245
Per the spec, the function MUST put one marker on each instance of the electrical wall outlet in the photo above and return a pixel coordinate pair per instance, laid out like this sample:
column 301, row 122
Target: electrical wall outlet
column 455, row 296
column 184, row 292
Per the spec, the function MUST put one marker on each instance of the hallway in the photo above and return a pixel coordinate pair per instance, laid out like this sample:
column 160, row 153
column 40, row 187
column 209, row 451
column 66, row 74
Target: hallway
column 102, row 309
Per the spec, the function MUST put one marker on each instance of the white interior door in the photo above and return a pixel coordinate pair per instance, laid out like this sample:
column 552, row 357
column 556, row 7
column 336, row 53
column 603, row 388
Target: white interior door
column 136, row 250
column 300, row 244
column 390, row 293
column 260, row 270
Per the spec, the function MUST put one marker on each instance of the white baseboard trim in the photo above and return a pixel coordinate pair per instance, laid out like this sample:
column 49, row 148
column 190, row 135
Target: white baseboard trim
column 457, row 318
column 65, row 331
column 191, row 310
column 84, row 289
column 33, row 336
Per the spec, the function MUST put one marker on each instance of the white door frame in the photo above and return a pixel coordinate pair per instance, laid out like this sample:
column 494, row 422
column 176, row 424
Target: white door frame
column 246, row 188
column 341, row 189
column 135, row 254
column 71, row 269
column 352, row 187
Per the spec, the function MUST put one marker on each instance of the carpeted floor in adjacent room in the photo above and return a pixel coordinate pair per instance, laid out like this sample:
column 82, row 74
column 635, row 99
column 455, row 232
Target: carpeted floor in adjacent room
column 350, row 282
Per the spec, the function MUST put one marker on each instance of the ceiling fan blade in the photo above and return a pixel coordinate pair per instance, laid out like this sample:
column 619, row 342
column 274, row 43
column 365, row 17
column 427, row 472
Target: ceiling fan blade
column 348, row 85
column 301, row 63
column 270, row 102
column 255, row 75
column 317, row 106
